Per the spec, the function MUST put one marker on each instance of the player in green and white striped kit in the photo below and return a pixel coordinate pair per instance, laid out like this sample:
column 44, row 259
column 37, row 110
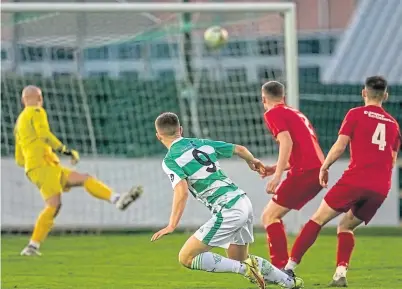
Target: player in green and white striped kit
column 192, row 165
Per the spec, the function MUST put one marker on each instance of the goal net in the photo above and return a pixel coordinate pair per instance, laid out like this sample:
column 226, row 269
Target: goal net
column 106, row 76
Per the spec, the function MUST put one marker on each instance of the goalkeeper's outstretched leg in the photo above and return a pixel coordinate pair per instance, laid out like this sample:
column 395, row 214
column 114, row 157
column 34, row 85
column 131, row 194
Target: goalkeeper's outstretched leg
column 63, row 180
column 101, row 191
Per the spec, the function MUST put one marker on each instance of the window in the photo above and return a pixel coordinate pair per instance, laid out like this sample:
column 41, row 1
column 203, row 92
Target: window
column 33, row 74
column 3, row 54
column 309, row 74
column 164, row 50
column 332, row 44
column 58, row 74
column 167, row 74
column 265, row 74
column 32, row 53
column 99, row 53
column 309, row 46
column 129, row 51
column 204, row 74
column 98, row 73
column 268, row 47
column 237, row 75
column 62, row 53
column 130, row 75
column 235, row 48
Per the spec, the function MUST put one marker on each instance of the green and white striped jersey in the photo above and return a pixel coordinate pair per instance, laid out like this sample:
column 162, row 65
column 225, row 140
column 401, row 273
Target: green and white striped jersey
column 196, row 160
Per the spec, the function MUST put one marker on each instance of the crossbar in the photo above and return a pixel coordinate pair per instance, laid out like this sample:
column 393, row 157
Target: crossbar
column 147, row 7
column 287, row 8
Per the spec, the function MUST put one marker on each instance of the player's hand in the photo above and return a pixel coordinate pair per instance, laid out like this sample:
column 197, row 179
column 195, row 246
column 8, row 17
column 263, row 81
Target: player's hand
column 161, row 233
column 73, row 154
column 323, row 178
column 257, row 166
column 269, row 171
column 273, row 184
column 75, row 157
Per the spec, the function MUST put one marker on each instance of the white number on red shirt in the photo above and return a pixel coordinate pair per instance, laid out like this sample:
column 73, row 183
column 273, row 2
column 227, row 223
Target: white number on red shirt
column 305, row 120
column 378, row 137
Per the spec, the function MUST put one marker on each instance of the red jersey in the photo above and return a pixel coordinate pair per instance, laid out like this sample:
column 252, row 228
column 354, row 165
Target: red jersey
column 306, row 152
column 374, row 135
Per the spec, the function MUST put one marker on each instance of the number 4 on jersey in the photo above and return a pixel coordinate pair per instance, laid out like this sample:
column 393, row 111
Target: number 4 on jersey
column 378, row 137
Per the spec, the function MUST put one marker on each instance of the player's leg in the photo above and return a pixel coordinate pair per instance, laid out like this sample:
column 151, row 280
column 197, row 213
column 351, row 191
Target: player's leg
column 101, row 191
column 362, row 211
column 346, row 243
column 309, row 233
column 292, row 194
column 238, row 250
column 270, row 273
column 218, row 232
column 195, row 255
column 276, row 234
column 48, row 181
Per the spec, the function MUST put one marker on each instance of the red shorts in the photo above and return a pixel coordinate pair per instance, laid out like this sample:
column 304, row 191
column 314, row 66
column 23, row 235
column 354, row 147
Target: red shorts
column 298, row 189
column 363, row 203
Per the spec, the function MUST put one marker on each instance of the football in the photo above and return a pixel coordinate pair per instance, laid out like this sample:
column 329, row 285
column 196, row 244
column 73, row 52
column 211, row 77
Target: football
column 215, row 37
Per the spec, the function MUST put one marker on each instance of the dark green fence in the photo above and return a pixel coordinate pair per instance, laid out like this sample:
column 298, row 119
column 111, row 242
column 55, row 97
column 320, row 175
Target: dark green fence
column 123, row 112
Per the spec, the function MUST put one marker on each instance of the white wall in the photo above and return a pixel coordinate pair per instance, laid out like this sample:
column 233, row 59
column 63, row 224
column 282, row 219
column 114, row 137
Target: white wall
column 21, row 202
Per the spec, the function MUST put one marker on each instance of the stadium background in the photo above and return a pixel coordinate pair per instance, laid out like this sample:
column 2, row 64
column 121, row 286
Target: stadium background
column 103, row 100
column 105, row 77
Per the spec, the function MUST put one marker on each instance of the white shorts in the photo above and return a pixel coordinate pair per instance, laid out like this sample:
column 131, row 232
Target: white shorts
column 232, row 225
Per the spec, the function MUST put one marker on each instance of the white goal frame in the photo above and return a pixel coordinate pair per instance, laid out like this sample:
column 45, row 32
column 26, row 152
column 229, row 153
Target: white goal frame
column 287, row 9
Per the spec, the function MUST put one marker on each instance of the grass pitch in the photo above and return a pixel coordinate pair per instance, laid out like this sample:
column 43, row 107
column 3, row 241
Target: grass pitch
column 131, row 261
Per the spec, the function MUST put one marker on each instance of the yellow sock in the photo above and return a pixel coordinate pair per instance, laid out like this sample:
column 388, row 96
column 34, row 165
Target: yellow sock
column 44, row 224
column 98, row 189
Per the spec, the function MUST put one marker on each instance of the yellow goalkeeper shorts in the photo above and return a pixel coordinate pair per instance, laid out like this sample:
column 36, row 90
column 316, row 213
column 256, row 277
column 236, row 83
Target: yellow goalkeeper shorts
column 51, row 180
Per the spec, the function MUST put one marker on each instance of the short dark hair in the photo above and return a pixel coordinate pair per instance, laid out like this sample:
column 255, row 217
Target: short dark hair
column 376, row 87
column 275, row 89
column 168, row 123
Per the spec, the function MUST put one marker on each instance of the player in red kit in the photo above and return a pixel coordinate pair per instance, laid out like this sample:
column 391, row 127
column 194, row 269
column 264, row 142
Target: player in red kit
column 300, row 153
column 374, row 140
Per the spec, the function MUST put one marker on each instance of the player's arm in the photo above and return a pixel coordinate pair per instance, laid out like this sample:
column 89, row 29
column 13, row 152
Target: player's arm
column 227, row 150
column 285, row 149
column 279, row 129
column 253, row 163
column 19, row 157
column 179, row 184
column 344, row 136
column 179, row 203
column 42, row 128
column 336, row 151
column 396, row 147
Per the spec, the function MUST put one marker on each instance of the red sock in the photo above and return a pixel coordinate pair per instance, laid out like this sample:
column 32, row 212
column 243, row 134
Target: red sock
column 305, row 240
column 346, row 243
column 278, row 244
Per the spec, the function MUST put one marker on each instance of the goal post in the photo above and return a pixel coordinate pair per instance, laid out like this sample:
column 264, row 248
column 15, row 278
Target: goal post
column 287, row 9
column 105, row 71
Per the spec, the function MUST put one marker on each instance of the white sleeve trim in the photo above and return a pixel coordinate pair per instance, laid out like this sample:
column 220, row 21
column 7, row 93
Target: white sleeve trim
column 173, row 177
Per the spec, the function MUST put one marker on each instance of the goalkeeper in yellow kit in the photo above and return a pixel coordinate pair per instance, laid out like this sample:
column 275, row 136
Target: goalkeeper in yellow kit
column 34, row 149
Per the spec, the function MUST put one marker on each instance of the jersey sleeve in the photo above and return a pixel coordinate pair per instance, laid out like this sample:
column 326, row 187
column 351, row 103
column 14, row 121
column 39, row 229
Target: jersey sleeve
column 173, row 171
column 41, row 125
column 19, row 157
column 223, row 149
column 397, row 143
column 275, row 123
column 348, row 124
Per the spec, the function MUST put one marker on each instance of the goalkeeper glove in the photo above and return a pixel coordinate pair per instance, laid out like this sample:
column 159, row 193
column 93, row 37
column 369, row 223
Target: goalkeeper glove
column 73, row 154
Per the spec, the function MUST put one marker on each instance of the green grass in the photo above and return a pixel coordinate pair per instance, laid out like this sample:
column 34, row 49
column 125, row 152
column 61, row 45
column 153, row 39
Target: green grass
column 131, row 261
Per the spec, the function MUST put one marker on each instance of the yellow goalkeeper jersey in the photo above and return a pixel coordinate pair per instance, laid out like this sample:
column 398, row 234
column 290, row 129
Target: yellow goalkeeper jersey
column 34, row 142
